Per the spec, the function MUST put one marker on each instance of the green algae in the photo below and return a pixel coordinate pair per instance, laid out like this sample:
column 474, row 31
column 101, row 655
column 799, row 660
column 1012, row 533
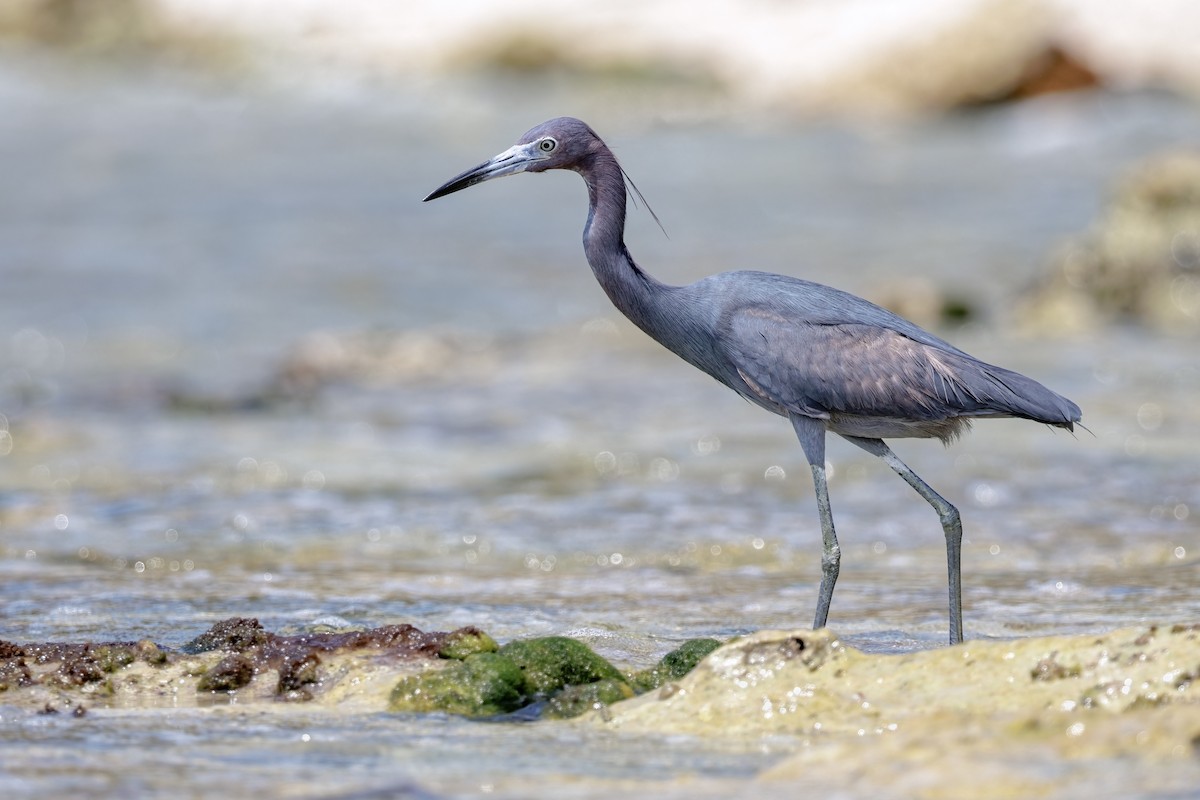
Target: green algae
column 549, row 663
column 481, row 685
column 674, row 665
column 567, row 673
column 563, row 677
column 110, row 658
column 466, row 642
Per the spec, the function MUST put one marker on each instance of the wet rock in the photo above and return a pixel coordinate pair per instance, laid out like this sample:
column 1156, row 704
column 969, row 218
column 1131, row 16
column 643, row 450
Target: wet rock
column 791, row 681
column 111, row 658
column 14, row 672
column 1049, row 669
column 297, row 658
column 70, row 665
column 230, row 673
column 80, row 669
column 149, row 652
column 466, row 642
column 563, row 675
column 297, row 675
column 92, row 663
column 236, row 634
column 674, row 665
column 1140, row 262
column 334, row 666
column 405, row 638
column 684, row 658
column 299, row 671
column 482, row 685
column 552, row 662
column 1015, row 714
column 572, row 701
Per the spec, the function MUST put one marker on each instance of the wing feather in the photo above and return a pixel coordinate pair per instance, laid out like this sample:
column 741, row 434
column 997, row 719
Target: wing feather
column 852, row 369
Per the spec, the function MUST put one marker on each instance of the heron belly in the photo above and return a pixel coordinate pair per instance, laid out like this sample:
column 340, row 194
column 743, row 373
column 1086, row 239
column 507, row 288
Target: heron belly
column 947, row 430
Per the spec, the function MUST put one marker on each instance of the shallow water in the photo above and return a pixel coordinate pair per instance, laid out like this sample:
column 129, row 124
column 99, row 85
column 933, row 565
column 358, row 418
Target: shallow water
column 527, row 463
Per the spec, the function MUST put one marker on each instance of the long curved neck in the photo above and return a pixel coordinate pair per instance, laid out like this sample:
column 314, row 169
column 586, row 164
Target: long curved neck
column 666, row 313
column 636, row 294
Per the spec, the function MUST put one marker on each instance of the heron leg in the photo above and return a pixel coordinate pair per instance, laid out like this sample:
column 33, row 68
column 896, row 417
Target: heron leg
column 947, row 513
column 811, row 433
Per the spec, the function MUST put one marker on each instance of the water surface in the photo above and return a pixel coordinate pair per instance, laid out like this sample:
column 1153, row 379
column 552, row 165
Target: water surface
column 174, row 252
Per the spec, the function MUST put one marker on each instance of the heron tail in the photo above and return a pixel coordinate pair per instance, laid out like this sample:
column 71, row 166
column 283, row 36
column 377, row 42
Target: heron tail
column 1006, row 393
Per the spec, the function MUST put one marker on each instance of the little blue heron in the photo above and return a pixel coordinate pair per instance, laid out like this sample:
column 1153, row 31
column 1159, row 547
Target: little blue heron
column 824, row 359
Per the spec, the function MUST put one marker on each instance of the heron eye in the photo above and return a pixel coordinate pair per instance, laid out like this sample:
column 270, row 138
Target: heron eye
column 547, row 145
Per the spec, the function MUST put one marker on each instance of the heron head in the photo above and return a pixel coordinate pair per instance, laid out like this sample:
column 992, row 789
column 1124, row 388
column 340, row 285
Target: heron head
column 559, row 143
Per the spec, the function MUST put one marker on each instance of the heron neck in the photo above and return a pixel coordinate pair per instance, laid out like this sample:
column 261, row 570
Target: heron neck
column 636, row 294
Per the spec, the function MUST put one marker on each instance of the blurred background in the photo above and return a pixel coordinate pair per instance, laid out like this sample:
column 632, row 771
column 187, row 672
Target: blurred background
column 244, row 370
column 240, row 356
column 237, row 347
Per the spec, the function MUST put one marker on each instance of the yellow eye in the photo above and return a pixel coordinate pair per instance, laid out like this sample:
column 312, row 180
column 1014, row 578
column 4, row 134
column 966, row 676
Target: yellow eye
column 547, row 145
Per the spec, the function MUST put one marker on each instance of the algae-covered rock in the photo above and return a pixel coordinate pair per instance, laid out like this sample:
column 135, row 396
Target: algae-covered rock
column 231, row 672
column 552, row 662
column 150, row 653
column 683, row 659
column 466, row 642
column 327, row 667
column 110, row 658
column 571, row 701
column 235, row 634
column 674, row 665
column 14, row 672
column 481, row 685
column 298, row 673
column 569, row 673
